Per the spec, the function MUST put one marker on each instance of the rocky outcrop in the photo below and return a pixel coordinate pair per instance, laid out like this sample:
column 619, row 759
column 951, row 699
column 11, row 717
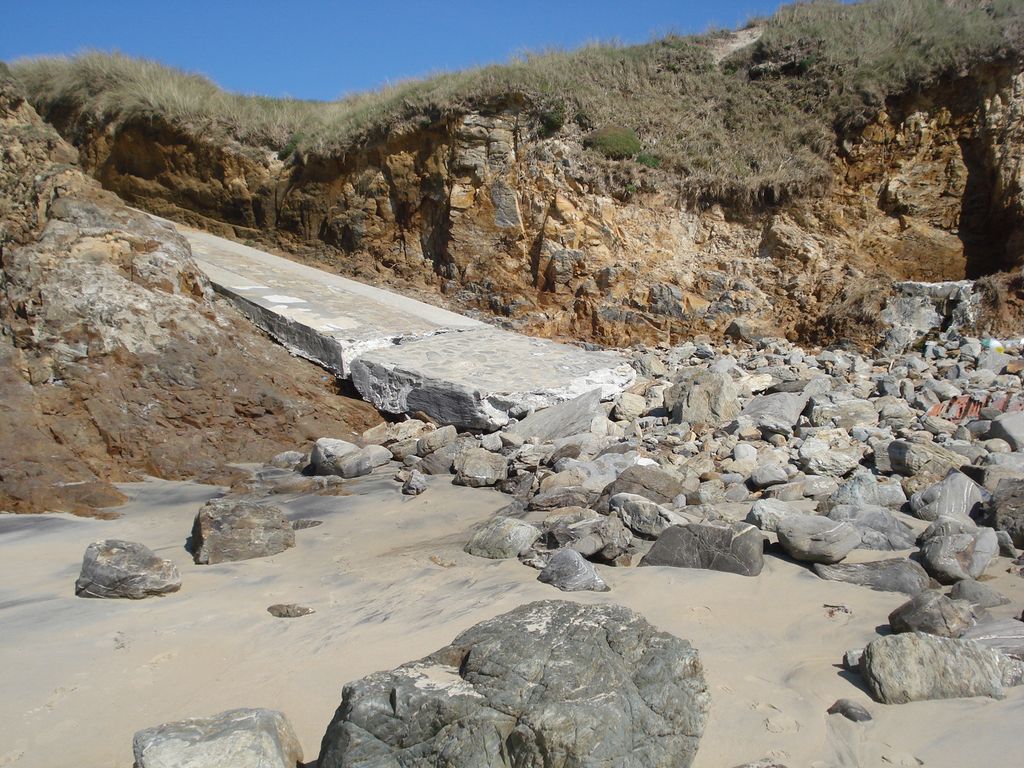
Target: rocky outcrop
column 484, row 208
column 550, row 683
column 116, row 360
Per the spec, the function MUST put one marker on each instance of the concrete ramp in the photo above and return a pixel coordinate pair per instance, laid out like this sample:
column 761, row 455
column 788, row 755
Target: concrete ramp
column 403, row 355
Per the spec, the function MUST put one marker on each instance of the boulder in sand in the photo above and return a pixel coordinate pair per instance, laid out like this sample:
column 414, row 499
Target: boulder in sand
column 229, row 529
column 894, row 575
column 570, row 572
column 550, row 683
column 502, row 537
column 716, row 546
column 817, row 539
column 239, row 738
column 933, row 613
column 115, row 568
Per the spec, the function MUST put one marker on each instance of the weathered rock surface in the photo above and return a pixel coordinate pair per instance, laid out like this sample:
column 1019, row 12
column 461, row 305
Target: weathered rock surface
column 817, row 539
column 502, row 537
column 512, row 691
column 1003, row 635
column 573, row 417
column 709, row 398
column 229, row 529
column 1006, row 510
column 976, row 593
column 917, row 667
column 115, row 568
column 240, row 738
column 933, row 613
column 117, row 361
column 955, row 496
column 361, row 462
column 878, row 527
column 641, row 515
column 652, row 483
column 600, row 537
column 716, row 546
column 570, row 572
column 479, row 468
column 895, row 575
column 959, row 556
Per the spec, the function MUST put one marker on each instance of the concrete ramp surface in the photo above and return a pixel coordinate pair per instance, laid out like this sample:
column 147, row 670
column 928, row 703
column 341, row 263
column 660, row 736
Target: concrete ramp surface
column 403, row 355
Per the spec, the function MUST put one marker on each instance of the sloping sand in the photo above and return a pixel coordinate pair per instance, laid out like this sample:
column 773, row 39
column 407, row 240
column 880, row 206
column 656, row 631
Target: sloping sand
column 389, row 583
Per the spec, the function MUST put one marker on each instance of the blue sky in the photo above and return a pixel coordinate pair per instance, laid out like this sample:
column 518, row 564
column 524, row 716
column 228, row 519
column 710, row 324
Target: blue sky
column 322, row 50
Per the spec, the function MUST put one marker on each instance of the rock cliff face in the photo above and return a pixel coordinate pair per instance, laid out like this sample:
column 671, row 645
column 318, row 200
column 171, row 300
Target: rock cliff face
column 485, row 210
column 116, row 361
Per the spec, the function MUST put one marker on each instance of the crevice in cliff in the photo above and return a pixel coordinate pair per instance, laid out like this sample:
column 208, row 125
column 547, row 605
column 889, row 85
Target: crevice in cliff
column 981, row 230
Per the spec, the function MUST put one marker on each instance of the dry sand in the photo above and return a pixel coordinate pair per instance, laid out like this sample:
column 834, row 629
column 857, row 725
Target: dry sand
column 389, row 583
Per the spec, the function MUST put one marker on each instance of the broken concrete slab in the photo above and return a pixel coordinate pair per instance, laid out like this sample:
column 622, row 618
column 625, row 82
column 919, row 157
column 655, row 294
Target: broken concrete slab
column 403, row 355
column 480, row 379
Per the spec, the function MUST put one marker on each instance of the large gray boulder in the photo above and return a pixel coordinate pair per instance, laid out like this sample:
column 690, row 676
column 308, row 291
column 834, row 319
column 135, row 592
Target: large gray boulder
column 917, row 667
column 548, row 684
column 865, row 489
column 361, row 462
column 916, row 458
column 601, row 537
column 570, row 572
column 642, row 516
column 933, row 613
column 115, row 568
column 878, row 527
column 229, row 529
column 716, row 546
column 955, row 496
column 777, row 412
column 327, row 451
column 817, row 539
column 959, row 556
column 829, row 455
column 1003, row 635
column 654, row 483
column 709, row 398
column 1009, row 427
column 573, row 417
column 976, row 593
column 479, row 468
column 239, row 738
column 895, row 575
column 1006, row 510
column 502, row 537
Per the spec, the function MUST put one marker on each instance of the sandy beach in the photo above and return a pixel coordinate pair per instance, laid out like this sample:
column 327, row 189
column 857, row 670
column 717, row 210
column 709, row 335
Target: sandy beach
column 389, row 582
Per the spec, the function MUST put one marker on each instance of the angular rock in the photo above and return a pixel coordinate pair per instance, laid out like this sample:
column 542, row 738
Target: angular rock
column 933, row 613
column 895, row 575
column 766, row 514
column 878, row 527
column 513, row 691
column 955, row 496
column 362, row 462
column 976, row 593
column 1006, row 510
column 502, row 537
column 1009, row 427
column 436, row 440
column 818, row 456
column 570, row 572
column 817, row 539
column 479, row 468
column 115, row 568
column 650, row 482
column 866, row 489
column 1003, row 635
column 573, row 417
column 327, row 451
column 959, row 556
column 415, row 485
column 907, row 458
column 765, row 475
column 709, row 398
column 240, row 738
column 602, row 537
column 288, row 610
column 851, row 710
column 642, row 516
column 918, row 667
column 716, row 546
column 776, row 413
column 226, row 530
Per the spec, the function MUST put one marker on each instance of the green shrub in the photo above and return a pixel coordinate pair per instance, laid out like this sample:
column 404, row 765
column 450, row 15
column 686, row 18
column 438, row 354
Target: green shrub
column 651, row 161
column 289, row 149
column 552, row 118
column 614, row 142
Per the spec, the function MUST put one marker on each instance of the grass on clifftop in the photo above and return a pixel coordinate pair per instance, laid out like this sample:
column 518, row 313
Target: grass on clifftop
column 758, row 125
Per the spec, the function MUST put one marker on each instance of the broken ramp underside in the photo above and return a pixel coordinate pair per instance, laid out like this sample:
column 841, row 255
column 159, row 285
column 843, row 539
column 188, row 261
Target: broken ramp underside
column 403, row 355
